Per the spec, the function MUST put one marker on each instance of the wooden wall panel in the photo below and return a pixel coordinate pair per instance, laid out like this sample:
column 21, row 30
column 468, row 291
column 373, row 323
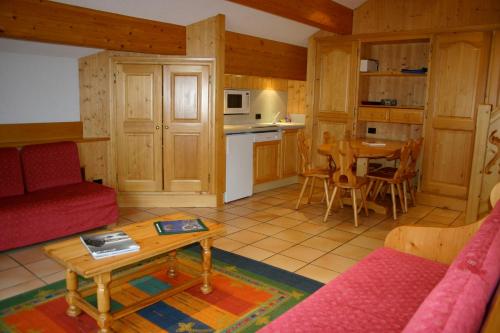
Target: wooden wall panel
column 248, row 55
column 408, row 15
column 254, row 82
column 296, row 97
column 52, row 22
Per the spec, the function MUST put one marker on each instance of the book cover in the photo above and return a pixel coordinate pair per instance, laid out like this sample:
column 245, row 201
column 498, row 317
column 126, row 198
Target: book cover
column 179, row 226
column 109, row 244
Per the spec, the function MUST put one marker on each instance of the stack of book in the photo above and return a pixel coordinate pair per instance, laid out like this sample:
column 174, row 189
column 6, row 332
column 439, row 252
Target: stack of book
column 109, row 244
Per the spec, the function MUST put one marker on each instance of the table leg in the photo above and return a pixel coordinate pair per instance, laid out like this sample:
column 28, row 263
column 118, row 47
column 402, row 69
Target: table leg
column 206, row 288
column 72, row 286
column 103, row 303
column 172, row 262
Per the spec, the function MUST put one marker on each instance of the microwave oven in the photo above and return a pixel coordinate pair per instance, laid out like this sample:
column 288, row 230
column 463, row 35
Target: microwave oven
column 236, row 101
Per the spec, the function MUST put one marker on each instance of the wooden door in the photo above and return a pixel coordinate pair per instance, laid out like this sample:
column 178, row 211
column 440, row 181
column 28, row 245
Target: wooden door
column 457, row 86
column 266, row 161
column 185, row 128
column 334, row 104
column 289, row 153
column 139, row 113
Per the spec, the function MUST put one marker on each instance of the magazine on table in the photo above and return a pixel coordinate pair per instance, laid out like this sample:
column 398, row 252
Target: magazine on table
column 109, row 244
column 179, row 226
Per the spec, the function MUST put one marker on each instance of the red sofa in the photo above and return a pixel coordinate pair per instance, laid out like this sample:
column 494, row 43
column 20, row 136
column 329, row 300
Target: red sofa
column 391, row 291
column 43, row 196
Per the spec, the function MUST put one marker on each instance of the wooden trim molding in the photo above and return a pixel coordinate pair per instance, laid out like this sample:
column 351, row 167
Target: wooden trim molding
column 22, row 134
column 52, row 22
column 324, row 14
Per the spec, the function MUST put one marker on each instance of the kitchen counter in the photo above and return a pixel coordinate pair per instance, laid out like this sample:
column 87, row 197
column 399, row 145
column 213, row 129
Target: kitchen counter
column 261, row 127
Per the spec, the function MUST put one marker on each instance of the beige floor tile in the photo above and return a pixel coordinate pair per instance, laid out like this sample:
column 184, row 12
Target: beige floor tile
column 227, row 244
column 221, row 216
column 289, row 205
column 247, row 237
column 301, row 216
column 425, row 223
column 266, row 229
column 284, row 222
column 243, row 201
column 14, row 276
column 223, row 208
column 242, row 222
column 419, row 211
column 20, row 288
column 367, row 242
column 273, row 201
column 293, row 236
column 273, row 244
column 124, row 221
column 28, row 255
column 403, row 219
column 313, row 210
column 230, row 229
column 253, row 252
column 352, row 251
column 285, row 263
column 334, row 262
column 140, row 216
column 44, row 267
column 322, row 244
column 311, row 228
column 302, row 253
column 349, row 227
column 446, row 220
column 257, row 205
column 331, row 221
column 61, row 275
column 317, row 273
column 337, row 235
column 128, row 210
column 7, row 262
column 445, row 213
column 376, row 232
column 240, row 211
column 280, row 211
column 159, row 211
column 261, row 216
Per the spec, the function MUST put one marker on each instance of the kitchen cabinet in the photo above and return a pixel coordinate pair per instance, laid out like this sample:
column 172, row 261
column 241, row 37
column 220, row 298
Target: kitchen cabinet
column 391, row 115
column 289, row 153
column 266, row 161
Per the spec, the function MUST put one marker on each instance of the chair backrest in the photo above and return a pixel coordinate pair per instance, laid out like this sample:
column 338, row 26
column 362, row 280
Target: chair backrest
column 404, row 160
column 416, row 147
column 343, row 156
column 303, row 145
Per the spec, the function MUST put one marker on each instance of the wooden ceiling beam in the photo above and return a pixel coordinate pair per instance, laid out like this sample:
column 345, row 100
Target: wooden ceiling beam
column 52, row 22
column 324, row 14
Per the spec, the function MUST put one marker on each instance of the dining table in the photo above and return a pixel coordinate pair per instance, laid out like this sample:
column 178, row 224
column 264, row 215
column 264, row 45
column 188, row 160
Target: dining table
column 365, row 149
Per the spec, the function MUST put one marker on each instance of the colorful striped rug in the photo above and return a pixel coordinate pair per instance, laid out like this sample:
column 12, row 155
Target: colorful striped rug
column 247, row 295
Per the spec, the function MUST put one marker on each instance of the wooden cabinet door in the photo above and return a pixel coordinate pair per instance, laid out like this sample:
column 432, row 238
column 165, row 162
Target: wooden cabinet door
column 334, row 101
column 266, row 161
column 457, row 86
column 139, row 112
column 185, row 128
column 289, row 153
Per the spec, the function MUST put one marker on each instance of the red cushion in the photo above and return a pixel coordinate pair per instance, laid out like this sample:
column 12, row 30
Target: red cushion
column 379, row 294
column 55, row 212
column 459, row 301
column 49, row 165
column 11, row 177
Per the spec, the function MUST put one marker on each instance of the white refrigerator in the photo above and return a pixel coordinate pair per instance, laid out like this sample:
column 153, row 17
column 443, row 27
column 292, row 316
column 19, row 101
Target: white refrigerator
column 239, row 166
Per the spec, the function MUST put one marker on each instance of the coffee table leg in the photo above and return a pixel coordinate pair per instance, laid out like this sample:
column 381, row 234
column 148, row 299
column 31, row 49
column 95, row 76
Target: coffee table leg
column 72, row 286
column 206, row 288
column 103, row 303
column 172, row 261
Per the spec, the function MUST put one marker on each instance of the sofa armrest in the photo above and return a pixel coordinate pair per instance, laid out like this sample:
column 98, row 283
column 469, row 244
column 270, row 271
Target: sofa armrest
column 433, row 243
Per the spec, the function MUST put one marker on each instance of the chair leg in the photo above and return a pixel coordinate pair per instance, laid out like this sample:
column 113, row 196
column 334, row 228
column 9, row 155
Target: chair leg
column 405, row 196
column 401, row 199
column 340, row 199
column 325, row 195
column 370, row 185
column 332, row 198
column 377, row 191
column 412, row 192
column 363, row 199
column 354, row 206
column 302, row 192
column 311, row 190
column 393, row 197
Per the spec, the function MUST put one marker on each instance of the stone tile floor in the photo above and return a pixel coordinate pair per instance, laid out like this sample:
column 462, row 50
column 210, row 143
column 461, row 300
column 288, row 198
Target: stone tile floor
column 264, row 227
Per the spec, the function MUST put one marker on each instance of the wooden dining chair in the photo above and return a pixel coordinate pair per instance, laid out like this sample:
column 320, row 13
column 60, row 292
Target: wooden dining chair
column 411, row 173
column 343, row 178
column 308, row 172
column 393, row 177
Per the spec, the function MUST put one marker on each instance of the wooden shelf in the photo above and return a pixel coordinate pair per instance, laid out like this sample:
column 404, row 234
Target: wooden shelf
column 406, row 107
column 395, row 74
column 35, row 142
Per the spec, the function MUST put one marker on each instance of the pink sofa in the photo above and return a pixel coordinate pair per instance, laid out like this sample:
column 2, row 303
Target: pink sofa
column 43, row 196
column 390, row 291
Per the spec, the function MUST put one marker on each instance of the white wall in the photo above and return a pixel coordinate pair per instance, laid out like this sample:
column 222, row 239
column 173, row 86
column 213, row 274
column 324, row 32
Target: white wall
column 39, row 82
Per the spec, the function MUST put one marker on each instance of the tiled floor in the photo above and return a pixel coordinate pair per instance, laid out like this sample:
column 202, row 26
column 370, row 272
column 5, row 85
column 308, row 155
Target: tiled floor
column 264, row 227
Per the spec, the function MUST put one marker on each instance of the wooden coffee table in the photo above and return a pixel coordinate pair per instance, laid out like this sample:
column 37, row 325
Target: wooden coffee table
column 72, row 254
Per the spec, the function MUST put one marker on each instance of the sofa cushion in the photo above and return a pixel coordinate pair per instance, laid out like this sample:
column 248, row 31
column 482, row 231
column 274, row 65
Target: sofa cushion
column 11, row 177
column 50, row 165
column 458, row 303
column 379, row 294
column 55, row 212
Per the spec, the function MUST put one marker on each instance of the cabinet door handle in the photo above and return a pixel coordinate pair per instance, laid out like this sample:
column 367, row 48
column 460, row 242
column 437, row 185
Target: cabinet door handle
column 166, row 127
column 157, row 127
